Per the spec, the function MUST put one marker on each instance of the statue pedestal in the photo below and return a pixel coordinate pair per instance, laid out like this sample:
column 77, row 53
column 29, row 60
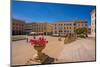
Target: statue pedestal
column 40, row 58
column 36, row 60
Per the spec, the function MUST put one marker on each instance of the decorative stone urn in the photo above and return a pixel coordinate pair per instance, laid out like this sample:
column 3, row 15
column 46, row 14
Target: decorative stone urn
column 39, row 49
column 38, row 44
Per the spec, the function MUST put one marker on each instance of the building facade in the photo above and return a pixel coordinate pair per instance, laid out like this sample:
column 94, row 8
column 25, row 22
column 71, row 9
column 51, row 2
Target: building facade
column 31, row 27
column 80, row 24
column 49, row 29
column 63, row 28
column 39, row 28
column 93, row 22
column 89, row 29
column 18, row 27
column 59, row 28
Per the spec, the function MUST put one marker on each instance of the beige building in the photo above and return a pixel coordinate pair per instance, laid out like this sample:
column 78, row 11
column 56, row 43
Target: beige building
column 63, row 28
column 49, row 29
column 80, row 24
column 93, row 22
column 57, row 28
column 18, row 27
column 29, row 28
column 39, row 28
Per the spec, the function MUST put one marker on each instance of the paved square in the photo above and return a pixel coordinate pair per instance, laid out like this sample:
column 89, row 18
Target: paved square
column 79, row 50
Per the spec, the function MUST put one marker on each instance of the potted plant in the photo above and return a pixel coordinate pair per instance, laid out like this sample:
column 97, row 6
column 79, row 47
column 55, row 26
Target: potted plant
column 39, row 44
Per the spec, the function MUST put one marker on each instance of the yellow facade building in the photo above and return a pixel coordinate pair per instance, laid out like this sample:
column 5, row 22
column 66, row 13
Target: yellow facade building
column 39, row 28
column 63, row 28
column 58, row 28
column 18, row 27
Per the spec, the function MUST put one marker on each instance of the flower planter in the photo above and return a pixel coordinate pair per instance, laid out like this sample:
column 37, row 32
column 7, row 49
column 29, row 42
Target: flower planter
column 39, row 44
column 39, row 51
column 39, row 48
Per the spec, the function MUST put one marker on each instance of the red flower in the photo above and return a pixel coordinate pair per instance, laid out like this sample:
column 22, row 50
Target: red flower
column 41, row 41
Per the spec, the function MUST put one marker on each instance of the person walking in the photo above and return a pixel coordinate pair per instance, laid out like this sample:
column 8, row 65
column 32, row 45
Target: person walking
column 27, row 38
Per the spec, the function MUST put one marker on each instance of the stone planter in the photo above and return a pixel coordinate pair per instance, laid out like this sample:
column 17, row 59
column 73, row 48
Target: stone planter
column 39, row 57
column 39, row 51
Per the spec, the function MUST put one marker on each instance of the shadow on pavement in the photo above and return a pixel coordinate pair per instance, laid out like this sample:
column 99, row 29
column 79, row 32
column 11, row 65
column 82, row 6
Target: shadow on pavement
column 45, row 59
column 48, row 59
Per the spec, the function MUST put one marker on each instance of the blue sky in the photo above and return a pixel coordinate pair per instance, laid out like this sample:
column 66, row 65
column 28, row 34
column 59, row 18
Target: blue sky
column 45, row 12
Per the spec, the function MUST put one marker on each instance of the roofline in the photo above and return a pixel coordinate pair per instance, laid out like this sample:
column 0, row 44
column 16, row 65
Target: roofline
column 94, row 10
column 71, row 21
column 18, row 20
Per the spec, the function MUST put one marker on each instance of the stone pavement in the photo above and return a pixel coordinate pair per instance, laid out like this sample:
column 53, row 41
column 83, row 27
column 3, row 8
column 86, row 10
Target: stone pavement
column 79, row 50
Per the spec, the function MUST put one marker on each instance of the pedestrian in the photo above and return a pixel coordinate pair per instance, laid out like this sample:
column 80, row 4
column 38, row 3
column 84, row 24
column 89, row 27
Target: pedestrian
column 27, row 38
